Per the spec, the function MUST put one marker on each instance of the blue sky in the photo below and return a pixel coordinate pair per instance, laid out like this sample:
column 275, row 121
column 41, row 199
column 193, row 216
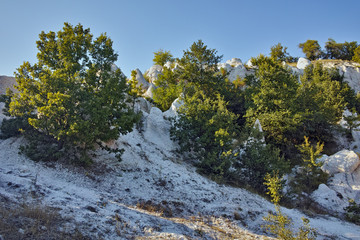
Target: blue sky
column 241, row 29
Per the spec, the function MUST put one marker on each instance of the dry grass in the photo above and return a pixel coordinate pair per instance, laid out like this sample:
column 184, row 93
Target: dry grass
column 32, row 222
column 293, row 64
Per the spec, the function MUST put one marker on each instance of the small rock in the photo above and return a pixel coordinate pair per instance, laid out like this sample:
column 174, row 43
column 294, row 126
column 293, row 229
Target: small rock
column 91, row 209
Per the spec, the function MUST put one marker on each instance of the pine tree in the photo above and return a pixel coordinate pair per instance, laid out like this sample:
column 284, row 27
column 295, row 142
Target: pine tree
column 71, row 94
column 312, row 49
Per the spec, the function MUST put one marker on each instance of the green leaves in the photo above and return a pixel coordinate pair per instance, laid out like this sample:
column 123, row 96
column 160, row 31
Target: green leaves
column 71, row 94
column 206, row 128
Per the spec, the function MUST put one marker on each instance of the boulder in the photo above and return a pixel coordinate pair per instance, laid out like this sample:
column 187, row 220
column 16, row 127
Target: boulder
column 329, row 199
column 303, row 63
column 344, row 161
column 141, row 80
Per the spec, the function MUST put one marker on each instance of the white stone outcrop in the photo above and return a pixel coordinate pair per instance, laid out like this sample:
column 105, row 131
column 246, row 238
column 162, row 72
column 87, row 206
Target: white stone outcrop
column 172, row 111
column 149, row 92
column 153, row 72
column 235, row 69
column 344, row 161
column 303, row 63
column 141, row 80
column 343, row 184
column 157, row 129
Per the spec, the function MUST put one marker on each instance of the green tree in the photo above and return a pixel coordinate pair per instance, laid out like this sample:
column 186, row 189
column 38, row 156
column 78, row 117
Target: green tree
column 256, row 160
column 199, row 69
column 205, row 129
column 168, row 88
column 161, row 57
column 344, row 51
column 310, row 175
column 356, row 57
column 312, row 49
column 71, row 94
column 278, row 53
column 271, row 99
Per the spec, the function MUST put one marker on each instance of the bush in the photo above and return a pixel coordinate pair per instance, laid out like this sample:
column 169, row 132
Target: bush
column 356, row 57
column 310, row 175
column 353, row 212
column 280, row 224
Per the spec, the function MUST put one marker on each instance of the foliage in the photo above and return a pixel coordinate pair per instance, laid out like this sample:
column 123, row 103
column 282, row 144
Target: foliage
column 279, row 53
column 356, row 57
column 135, row 89
column 204, row 130
column 344, row 51
column 310, row 175
column 199, row 70
column 312, row 49
column 288, row 109
column 72, row 90
column 353, row 212
column 168, row 89
column 271, row 99
column 161, row 57
column 280, row 224
column 256, row 160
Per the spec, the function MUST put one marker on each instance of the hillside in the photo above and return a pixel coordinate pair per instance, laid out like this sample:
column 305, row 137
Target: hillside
column 152, row 193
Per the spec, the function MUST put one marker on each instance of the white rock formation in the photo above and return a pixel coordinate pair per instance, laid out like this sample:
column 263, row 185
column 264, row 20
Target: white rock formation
column 149, row 92
column 234, row 62
column 235, row 69
column 344, row 183
column 344, row 161
column 141, row 80
column 157, row 129
column 153, row 72
column 172, row 111
column 303, row 63
column 7, row 82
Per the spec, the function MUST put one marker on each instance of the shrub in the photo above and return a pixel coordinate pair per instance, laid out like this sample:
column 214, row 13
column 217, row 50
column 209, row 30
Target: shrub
column 280, row 224
column 310, row 175
column 353, row 212
column 356, row 57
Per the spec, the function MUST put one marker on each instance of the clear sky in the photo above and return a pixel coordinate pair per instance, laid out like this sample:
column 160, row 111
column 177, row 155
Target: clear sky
column 241, row 29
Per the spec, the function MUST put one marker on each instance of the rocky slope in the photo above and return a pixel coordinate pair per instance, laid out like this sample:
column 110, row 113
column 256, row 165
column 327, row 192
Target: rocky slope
column 153, row 194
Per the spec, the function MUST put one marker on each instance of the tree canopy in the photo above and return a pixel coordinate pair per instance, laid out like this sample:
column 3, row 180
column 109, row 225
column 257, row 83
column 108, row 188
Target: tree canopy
column 71, row 93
